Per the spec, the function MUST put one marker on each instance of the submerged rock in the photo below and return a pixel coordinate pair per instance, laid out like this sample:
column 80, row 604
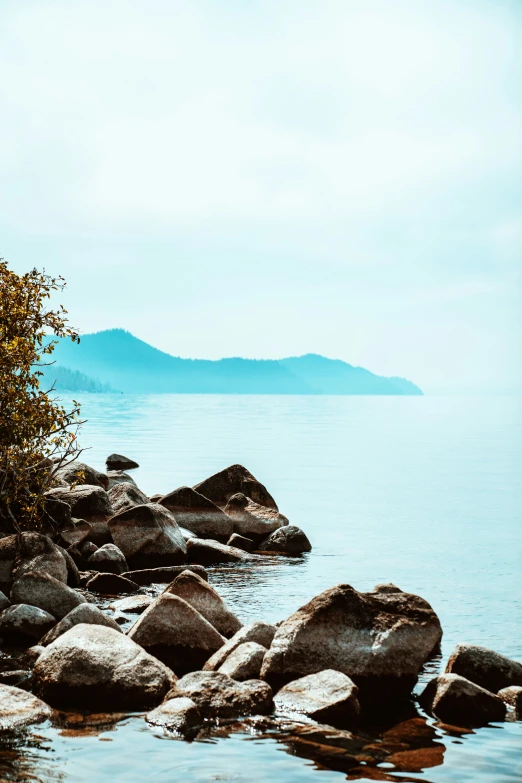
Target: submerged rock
column 198, row 514
column 19, row 708
column 108, row 559
column 148, row 536
column 207, row 552
column 251, row 519
column 207, row 601
column 244, row 663
column 85, row 613
column 259, row 632
column 23, row 620
column 486, row 668
column 47, row 593
column 290, row 539
column 119, row 462
column 220, row 487
column 219, row 696
column 180, row 715
column 455, row 700
column 126, row 495
column 329, row 696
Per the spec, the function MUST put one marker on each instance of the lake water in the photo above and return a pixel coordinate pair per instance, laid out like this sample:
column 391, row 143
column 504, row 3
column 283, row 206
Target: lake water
column 425, row 492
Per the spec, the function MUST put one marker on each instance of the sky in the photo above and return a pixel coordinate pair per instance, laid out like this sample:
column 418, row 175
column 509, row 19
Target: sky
column 267, row 178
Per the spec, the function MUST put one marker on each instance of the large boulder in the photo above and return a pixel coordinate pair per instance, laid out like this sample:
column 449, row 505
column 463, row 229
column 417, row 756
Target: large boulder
column 219, row 696
column 455, row 700
column 240, row 542
column 78, row 473
column 19, row 708
column 119, row 477
column 91, row 503
column 30, row 552
column 111, row 584
column 207, row 552
column 148, row 536
column 109, row 559
column 97, row 668
column 380, row 641
column 125, row 495
column 76, row 531
column 85, row 613
column 180, row 715
column 198, row 514
column 56, row 514
column 22, row 621
column 46, row 592
column 150, row 576
column 290, row 540
column 486, row 668
column 207, row 601
column 176, row 633
column 252, row 519
column 245, row 662
column 119, row 462
column 259, row 632
column 221, row 486
column 328, row 696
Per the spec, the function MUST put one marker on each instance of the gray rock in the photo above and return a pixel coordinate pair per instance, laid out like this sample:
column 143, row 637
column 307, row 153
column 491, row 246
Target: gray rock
column 85, row 613
column 328, row 696
column 219, row 696
column 453, row 699
column 198, row 514
column 389, row 587
column 133, row 604
column 207, row 601
column 125, row 495
column 100, row 669
column 289, row 540
column 245, row 662
column 149, row 576
column 259, row 632
column 88, row 548
column 20, row 678
column 30, row 552
column 119, row 477
column 486, row 668
column 19, row 708
column 111, row 584
column 119, row 462
column 46, row 592
column 180, row 715
column 512, row 696
column 240, row 542
column 220, row 487
column 25, row 621
column 251, row 519
column 80, row 474
column 148, row 536
column 108, row 559
column 4, row 601
column 32, row 654
column 76, row 531
column 91, row 503
column 207, row 552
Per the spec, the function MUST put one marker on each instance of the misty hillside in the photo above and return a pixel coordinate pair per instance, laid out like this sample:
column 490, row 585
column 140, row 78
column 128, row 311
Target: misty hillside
column 131, row 365
column 65, row 379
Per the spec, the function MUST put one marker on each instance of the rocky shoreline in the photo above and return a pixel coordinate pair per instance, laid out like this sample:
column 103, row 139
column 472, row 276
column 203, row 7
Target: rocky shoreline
column 343, row 660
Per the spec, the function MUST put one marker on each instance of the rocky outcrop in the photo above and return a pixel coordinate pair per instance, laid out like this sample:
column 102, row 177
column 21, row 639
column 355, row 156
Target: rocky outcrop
column 179, row 715
column 207, row 601
column 207, row 552
column 486, row 668
column 125, row 495
column 109, row 559
column 148, row 536
column 219, row 696
column 149, row 576
column 119, row 462
column 380, row 641
column 97, row 668
column 79, row 473
column 245, row 662
column 119, row 477
column 111, row 584
column 220, row 487
column 259, row 632
column 198, row 514
column 240, row 542
column 177, row 634
column 289, row 540
column 46, row 592
column 85, row 613
column 252, row 519
column 19, row 708
column 328, row 696
column 25, row 622
column 455, row 700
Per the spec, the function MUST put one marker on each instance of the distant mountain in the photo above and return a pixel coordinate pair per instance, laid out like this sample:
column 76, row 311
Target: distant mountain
column 131, row 365
column 64, row 379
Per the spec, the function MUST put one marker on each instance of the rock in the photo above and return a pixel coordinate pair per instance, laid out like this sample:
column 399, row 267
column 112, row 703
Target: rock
column 180, row 715
column 73, row 574
column 133, row 604
column 251, row 519
column 125, row 495
column 206, row 552
column 176, row 633
column 119, row 477
column 119, row 462
column 79, row 473
column 455, row 700
column 512, row 696
column 4, row 601
column 389, row 587
column 91, row 503
column 291, row 540
column 23, row 620
column 156, row 497
column 32, row 654
column 87, row 549
column 30, row 552
column 205, row 600
column 245, row 662
column 484, row 667
column 220, row 487
column 19, row 708
column 76, row 531
column 149, row 576
column 198, row 514
column 85, row 613
column 240, row 542
column 46, row 592
column 380, row 641
column 219, row 696
column 111, row 584
column 259, row 632
column 109, row 559
column 56, row 514
column 187, row 534
column 100, row 669
column 148, row 536
column 21, row 678
column 328, row 696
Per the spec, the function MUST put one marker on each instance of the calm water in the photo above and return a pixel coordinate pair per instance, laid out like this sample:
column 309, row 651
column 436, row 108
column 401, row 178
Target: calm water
column 425, row 492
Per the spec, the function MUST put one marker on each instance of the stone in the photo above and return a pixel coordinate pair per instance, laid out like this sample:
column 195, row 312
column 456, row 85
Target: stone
column 91, row 503
column 96, row 668
column 380, row 641
column 4, row 601
column 109, row 559
column 251, row 519
column 240, row 542
column 119, row 462
column 484, row 667
column 389, row 587
column 23, row 620
column 328, row 696
column 148, row 536
column 21, row 678
column 187, row 534
column 207, row 552
column 245, row 662
column 56, row 514
column 88, row 548
column 198, row 514
column 150, row 576
column 79, row 473
column 133, row 604
column 73, row 574
column 85, row 613
column 180, row 715
column 455, row 700
column 219, row 696
column 512, row 695
column 46, row 592
column 176, row 633
column 290, row 540
column 119, row 477
column 259, row 632
column 206, row 600
column 111, row 584
column 125, row 495
column 19, row 708
column 220, row 487
column 30, row 552
column 32, row 654
column 76, row 531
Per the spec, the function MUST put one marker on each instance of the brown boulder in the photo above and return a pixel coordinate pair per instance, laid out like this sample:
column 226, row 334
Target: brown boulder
column 220, row 487
column 148, row 536
column 149, row 576
column 19, row 708
column 111, row 584
column 207, row 601
column 486, row 668
column 119, row 477
column 25, row 622
column 289, row 540
column 91, row 503
column 85, row 613
column 328, row 696
column 245, row 662
column 198, row 514
column 30, row 552
column 455, row 700
column 79, row 473
column 512, row 696
column 46, row 592
column 207, row 552
column 240, row 542
column 108, row 559
column 180, row 715
column 119, row 462
column 125, row 495
column 259, row 632
column 219, row 696
column 251, row 519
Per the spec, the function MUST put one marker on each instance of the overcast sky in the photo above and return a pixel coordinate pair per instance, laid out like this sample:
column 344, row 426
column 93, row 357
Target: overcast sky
column 275, row 177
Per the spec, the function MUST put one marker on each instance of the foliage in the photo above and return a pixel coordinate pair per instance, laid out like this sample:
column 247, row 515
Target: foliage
column 38, row 435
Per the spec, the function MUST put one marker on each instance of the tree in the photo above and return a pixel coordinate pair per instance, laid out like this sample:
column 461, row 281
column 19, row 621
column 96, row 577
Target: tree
column 38, row 435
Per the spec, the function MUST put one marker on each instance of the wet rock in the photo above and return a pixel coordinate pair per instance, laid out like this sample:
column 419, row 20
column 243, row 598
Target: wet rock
column 198, row 514
column 119, row 477
column 97, row 668
column 486, row 668
column 245, row 662
column 25, row 621
column 46, row 592
column 251, row 519
column 219, row 696
column 149, row 576
column 80, row 474
column 19, row 708
column 109, row 559
column 206, row 552
column 4, row 601
column 177, row 634
column 76, row 531
column 180, row 715
column 119, row 462
column 290, row 539
column 85, row 613
column 207, row 601
column 259, row 632
column 111, row 584
column 148, row 536
column 20, row 678
column 240, row 542
column 512, row 695
column 133, row 604
column 455, row 700
column 327, row 696
column 30, row 552
column 125, row 495
column 378, row 640
column 220, row 487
